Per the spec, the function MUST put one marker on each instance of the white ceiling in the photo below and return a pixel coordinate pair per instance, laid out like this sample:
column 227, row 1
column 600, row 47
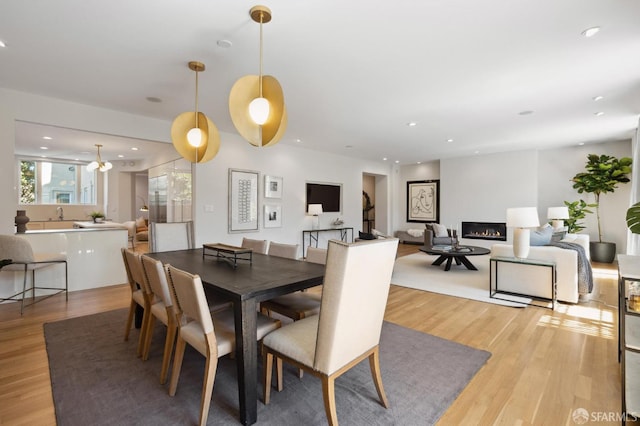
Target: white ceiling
column 354, row 73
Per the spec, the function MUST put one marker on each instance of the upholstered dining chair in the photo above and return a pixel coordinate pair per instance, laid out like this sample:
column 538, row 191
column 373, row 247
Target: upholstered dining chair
column 289, row 251
column 299, row 304
column 17, row 255
column 348, row 328
column 140, row 294
column 258, row 246
column 170, row 236
column 162, row 309
column 213, row 335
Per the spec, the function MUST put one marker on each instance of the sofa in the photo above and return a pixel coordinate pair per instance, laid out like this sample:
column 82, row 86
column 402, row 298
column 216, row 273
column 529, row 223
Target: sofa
column 512, row 279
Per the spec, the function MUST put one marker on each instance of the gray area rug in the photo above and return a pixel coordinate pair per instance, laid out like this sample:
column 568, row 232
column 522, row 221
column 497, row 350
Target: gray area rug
column 97, row 379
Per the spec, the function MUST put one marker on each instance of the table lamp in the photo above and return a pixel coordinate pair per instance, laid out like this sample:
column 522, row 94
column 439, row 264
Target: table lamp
column 522, row 218
column 315, row 210
column 557, row 215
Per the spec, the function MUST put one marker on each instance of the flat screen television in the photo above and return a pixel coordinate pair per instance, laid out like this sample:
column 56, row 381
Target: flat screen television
column 327, row 194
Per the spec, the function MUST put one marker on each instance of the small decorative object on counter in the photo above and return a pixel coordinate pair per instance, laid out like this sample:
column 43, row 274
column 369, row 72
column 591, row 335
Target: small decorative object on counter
column 21, row 221
column 337, row 222
column 634, row 296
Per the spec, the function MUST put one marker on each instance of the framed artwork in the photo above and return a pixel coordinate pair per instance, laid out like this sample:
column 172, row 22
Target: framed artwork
column 272, row 216
column 243, row 200
column 423, row 201
column 272, row 187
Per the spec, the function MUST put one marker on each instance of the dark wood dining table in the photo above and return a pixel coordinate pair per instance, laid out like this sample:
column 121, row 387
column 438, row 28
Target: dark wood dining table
column 246, row 286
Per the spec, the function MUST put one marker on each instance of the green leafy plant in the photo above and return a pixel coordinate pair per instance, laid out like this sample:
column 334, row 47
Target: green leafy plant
column 577, row 211
column 603, row 174
column 633, row 218
column 96, row 215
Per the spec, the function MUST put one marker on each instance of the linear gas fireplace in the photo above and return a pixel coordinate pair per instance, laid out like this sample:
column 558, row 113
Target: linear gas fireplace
column 495, row 231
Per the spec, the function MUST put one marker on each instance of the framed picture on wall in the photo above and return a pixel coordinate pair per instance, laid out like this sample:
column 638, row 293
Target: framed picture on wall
column 272, row 216
column 272, row 187
column 423, row 201
column 243, row 200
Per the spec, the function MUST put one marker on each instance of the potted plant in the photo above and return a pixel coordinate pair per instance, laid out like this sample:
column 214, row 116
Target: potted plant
column 97, row 216
column 577, row 211
column 603, row 174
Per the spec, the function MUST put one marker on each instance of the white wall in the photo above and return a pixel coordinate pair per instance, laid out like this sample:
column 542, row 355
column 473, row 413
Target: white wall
column 296, row 166
column 481, row 188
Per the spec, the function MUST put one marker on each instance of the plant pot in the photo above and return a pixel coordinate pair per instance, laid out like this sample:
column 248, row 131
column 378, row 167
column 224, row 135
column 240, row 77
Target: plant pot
column 602, row 252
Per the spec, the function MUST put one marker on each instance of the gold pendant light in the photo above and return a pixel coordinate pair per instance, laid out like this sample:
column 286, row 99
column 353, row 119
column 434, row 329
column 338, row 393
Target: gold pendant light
column 256, row 102
column 98, row 164
column 194, row 136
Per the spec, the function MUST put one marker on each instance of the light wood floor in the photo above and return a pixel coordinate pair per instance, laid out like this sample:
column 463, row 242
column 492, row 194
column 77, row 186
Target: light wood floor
column 544, row 364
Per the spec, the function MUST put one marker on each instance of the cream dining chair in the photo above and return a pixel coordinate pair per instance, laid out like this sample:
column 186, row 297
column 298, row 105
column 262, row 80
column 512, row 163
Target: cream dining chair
column 17, row 255
column 211, row 334
column 162, row 309
column 348, row 328
column 170, row 236
column 140, row 294
column 258, row 246
column 299, row 304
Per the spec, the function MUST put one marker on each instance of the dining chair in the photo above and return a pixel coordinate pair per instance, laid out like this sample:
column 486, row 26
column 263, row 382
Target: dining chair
column 213, row 335
column 299, row 304
column 162, row 309
column 170, row 236
column 140, row 295
column 18, row 256
column 348, row 328
column 289, row 251
column 258, row 246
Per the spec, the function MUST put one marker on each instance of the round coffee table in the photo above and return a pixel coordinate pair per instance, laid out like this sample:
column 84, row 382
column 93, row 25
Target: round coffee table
column 459, row 255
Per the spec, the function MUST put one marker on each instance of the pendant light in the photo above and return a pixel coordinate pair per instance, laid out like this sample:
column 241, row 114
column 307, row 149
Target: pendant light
column 98, row 163
column 194, row 136
column 256, row 102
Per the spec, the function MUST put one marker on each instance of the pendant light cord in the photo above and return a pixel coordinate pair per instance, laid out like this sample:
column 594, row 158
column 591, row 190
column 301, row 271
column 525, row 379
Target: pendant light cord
column 261, row 16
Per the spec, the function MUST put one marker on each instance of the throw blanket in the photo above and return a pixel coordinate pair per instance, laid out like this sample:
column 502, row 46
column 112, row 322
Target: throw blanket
column 415, row 232
column 585, row 275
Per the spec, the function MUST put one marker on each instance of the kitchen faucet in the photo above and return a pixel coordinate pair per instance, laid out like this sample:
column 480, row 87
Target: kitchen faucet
column 60, row 213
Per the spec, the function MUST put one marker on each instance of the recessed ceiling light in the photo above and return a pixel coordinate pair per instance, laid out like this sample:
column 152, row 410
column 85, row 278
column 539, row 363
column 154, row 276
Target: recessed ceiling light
column 419, row 162
column 449, row 140
column 134, row 148
column 2, row 44
column 476, row 152
column 154, row 99
column 44, row 147
column 599, row 113
column 525, row 112
column 590, row 32
column 397, row 161
column 597, row 98
column 299, row 140
column 47, row 138
column 225, row 44
column 412, row 124
column 581, row 143
column 384, row 159
column 120, row 156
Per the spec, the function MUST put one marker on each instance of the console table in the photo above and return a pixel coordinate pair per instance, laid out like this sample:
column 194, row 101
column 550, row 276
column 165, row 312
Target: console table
column 314, row 234
column 524, row 267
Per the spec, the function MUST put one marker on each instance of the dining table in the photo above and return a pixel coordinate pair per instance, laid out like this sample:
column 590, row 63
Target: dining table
column 246, row 285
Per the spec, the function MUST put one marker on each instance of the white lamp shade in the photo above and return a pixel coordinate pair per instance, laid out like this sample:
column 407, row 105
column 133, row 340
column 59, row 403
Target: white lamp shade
column 558, row 213
column 259, row 110
column 92, row 166
column 315, row 209
column 522, row 217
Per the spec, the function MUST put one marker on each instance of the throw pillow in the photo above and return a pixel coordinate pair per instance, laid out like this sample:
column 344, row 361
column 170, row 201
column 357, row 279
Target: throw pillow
column 440, row 230
column 541, row 236
column 366, row 236
column 559, row 234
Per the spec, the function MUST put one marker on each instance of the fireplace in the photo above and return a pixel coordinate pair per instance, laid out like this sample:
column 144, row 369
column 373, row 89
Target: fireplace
column 494, row 231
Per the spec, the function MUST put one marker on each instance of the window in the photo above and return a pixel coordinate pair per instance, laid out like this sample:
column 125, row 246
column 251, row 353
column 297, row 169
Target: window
column 43, row 182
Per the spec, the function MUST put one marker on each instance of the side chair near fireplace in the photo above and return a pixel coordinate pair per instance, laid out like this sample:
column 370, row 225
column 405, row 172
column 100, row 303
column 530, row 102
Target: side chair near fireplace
column 17, row 255
column 329, row 344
